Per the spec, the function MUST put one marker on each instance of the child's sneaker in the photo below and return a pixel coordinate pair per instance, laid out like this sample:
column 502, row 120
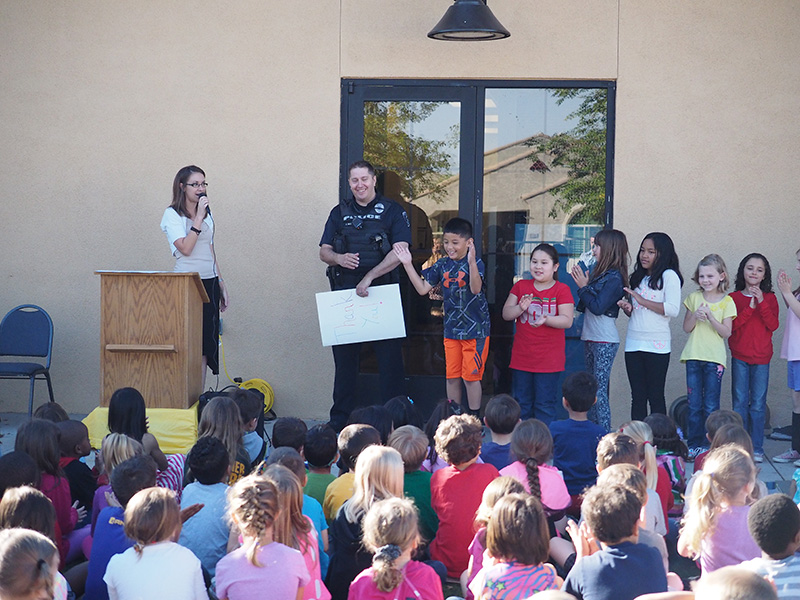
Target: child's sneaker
column 788, row 456
column 758, row 457
column 696, row 451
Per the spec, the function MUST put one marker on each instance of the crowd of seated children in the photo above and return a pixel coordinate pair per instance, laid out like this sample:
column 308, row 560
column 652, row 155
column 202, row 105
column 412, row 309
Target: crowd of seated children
column 500, row 417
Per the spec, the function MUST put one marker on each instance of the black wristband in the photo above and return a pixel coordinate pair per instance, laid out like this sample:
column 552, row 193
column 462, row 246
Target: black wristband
column 195, row 229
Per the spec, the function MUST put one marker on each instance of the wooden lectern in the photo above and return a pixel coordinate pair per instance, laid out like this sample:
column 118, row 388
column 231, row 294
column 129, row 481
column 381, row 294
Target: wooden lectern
column 151, row 336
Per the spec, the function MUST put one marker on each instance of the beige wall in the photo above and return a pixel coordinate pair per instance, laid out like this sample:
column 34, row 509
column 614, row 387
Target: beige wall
column 102, row 102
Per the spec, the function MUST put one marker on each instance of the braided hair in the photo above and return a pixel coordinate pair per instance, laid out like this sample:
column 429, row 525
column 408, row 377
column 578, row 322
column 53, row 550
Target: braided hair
column 532, row 445
column 253, row 507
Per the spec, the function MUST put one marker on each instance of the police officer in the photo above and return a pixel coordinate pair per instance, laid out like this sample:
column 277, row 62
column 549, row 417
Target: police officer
column 357, row 247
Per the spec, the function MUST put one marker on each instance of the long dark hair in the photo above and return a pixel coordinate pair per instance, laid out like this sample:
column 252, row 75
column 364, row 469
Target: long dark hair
column 39, row 439
column 766, row 283
column 178, row 194
column 613, row 254
column 444, row 408
column 126, row 413
column 666, row 258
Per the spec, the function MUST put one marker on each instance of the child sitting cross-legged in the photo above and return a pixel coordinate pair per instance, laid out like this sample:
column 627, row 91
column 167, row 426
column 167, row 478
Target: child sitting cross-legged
column 500, row 416
column 774, row 523
column 456, row 490
column 622, row 568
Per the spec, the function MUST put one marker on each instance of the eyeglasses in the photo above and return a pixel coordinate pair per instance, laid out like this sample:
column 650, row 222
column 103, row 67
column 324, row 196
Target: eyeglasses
column 197, row 185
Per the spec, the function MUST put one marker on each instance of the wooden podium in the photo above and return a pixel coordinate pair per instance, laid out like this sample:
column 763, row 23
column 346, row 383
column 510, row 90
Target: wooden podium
column 151, row 336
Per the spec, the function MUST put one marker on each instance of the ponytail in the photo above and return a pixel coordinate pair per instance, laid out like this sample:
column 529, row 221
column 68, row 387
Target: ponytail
column 25, row 562
column 641, row 433
column 386, row 575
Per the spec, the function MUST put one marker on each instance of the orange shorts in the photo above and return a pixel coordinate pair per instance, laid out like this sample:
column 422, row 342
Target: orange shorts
column 466, row 359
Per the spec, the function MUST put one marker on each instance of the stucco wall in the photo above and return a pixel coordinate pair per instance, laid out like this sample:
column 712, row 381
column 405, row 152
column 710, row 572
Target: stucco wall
column 103, row 101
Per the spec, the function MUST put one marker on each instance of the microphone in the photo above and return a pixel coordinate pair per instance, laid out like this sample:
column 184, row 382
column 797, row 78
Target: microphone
column 208, row 208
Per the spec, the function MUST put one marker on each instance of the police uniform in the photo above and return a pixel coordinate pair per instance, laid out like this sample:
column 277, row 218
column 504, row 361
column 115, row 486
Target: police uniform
column 369, row 231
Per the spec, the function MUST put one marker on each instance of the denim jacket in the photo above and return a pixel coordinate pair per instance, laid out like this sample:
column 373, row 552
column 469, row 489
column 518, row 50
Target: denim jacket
column 601, row 295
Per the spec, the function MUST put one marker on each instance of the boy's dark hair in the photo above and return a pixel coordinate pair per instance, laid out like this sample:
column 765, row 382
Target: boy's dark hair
column 774, row 522
column 18, row 468
column 72, row 433
column 458, row 439
column 617, row 448
column 289, row 431
column 502, row 414
column 352, row 440
column 51, row 411
column 612, row 512
column 39, row 438
column 320, row 446
column 376, row 416
column 403, row 412
column 250, row 405
column 580, row 390
column 208, row 460
column 459, row 226
column 721, row 417
column 289, row 458
column 131, row 476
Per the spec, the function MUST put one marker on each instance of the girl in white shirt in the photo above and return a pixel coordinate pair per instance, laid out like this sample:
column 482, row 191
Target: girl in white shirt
column 655, row 297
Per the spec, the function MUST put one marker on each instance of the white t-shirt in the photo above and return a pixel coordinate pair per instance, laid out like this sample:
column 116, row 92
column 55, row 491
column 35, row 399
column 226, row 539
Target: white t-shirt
column 201, row 260
column 648, row 331
column 162, row 570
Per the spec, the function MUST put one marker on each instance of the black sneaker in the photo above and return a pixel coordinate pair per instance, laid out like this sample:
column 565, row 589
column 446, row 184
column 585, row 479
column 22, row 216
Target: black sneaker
column 783, row 434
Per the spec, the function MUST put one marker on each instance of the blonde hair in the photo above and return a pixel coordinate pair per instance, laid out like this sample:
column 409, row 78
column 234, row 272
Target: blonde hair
column 253, row 507
column 390, row 528
column 152, row 516
column 497, row 488
column 532, row 445
column 25, row 563
column 292, row 528
column 713, row 260
column 222, row 419
column 116, row 448
column 378, row 475
column 726, row 472
column 412, row 444
column 640, row 432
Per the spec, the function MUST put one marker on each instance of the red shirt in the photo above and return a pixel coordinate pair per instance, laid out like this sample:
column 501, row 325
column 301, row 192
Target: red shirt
column 539, row 349
column 456, row 496
column 664, row 491
column 751, row 339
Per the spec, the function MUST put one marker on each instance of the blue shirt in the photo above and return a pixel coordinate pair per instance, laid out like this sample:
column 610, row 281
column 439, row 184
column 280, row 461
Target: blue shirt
column 206, row 533
column 313, row 510
column 466, row 315
column 109, row 539
column 496, row 454
column 575, row 452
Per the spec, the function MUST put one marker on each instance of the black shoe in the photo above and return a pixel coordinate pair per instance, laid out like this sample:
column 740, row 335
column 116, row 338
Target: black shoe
column 783, row 434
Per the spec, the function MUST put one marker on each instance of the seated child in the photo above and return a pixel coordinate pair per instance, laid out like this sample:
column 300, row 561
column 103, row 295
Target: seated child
column 18, row 468
column 156, row 567
column 206, row 533
column 391, row 534
column 221, row 419
column 289, row 431
column 412, row 445
column 376, row 416
column 618, row 448
column 500, row 416
column 774, row 523
column 251, row 407
column 456, row 490
column 116, row 448
column 575, row 439
column 403, row 412
column 320, row 453
column 714, row 422
column 127, row 479
column 671, row 453
column 51, row 411
column 623, row 568
column 442, row 411
column 517, row 545
column 28, row 565
column 734, row 583
column 291, row 459
column 74, row 444
column 352, row 440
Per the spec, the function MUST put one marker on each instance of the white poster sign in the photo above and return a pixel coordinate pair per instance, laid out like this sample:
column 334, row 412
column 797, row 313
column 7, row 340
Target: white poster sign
column 346, row 318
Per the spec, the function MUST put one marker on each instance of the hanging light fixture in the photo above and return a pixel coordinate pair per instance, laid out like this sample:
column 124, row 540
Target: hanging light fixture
column 468, row 21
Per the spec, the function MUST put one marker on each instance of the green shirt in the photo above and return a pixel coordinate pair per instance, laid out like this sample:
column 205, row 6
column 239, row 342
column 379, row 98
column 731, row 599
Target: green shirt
column 317, row 484
column 417, row 486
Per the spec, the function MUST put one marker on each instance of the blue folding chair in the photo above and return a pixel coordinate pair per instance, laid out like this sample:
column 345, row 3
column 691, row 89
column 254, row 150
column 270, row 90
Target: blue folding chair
column 25, row 332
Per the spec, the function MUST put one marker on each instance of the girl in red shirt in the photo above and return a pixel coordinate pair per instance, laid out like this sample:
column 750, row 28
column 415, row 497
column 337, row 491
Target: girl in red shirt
column 751, row 345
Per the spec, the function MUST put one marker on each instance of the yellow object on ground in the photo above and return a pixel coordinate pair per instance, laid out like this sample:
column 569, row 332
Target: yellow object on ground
column 174, row 428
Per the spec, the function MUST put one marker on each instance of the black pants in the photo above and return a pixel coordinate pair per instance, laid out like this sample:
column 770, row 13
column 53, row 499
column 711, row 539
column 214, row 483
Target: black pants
column 647, row 374
column 347, row 358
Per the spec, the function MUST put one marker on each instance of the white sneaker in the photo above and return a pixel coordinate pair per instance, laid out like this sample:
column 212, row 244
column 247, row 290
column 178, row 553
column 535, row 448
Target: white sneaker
column 788, row 456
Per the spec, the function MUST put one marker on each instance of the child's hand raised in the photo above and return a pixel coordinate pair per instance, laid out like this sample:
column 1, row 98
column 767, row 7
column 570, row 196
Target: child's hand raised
column 580, row 276
column 702, row 313
column 755, row 292
column 784, row 282
column 471, row 252
column 525, row 302
column 402, row 252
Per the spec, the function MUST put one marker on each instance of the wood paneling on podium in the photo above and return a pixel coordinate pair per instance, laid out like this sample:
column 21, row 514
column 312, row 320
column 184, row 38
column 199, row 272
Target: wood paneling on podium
column 151, row 330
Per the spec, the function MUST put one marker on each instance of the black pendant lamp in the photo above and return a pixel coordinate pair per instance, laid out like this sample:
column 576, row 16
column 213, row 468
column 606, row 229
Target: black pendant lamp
column 468, row 21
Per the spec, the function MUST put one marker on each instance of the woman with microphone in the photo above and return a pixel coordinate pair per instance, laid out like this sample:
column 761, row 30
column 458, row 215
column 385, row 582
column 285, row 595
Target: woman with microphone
column 190, row 232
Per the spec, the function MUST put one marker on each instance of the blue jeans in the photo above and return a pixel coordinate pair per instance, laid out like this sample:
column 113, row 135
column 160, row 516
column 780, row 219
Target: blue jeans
column 749, row 388
column 703, row 388
column 537, row 394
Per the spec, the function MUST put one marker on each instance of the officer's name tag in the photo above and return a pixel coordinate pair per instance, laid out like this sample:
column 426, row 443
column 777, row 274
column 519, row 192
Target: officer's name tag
column 346, row 318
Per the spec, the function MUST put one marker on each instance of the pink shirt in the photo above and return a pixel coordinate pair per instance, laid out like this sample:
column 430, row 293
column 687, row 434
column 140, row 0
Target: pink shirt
column 315, row 589
column 555, row 495
column 282, row 572
column 419, row 581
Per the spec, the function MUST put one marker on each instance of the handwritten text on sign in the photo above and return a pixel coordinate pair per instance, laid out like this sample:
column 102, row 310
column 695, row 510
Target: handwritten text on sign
column 346, row 318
